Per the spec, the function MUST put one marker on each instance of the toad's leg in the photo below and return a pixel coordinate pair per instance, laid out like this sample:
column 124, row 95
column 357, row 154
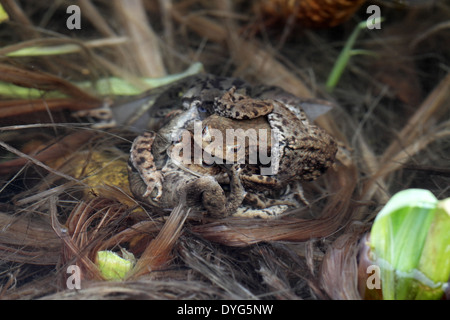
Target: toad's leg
column 207, row 191
column 141, row 158
column 262, row 203
column 298, row 193
column 237, row 193
column 269, row 181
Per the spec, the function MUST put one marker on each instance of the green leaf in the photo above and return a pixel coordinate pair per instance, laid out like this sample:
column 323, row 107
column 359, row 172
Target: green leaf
column 104, row 87
column 3, row 14
column 411, row 241
column 435, row 260
column 347, row 51
column 113, row 267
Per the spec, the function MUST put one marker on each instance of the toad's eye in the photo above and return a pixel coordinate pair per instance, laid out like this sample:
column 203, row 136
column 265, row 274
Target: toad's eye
column 198, row 104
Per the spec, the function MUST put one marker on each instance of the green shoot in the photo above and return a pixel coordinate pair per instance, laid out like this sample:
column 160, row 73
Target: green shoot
column 346, row 53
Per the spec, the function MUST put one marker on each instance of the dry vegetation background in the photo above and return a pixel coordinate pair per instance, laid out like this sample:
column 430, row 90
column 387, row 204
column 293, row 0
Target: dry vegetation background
column 391, row 116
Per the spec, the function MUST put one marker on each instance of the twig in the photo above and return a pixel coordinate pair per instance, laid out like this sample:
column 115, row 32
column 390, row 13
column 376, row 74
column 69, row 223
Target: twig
column 144, row 42
column 37, row 162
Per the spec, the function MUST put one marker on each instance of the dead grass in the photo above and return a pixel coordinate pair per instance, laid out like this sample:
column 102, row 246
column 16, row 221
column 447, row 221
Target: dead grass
column 392, row 118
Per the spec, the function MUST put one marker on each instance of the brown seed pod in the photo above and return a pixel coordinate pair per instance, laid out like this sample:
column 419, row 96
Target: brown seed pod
column 312, row 13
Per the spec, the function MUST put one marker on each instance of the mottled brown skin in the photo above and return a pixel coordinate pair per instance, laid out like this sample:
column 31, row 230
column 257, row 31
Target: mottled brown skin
column 306, row 151
column 202, row 193
column 230, row 149
column 239, row 106
column 198, row 186
column 142, row 158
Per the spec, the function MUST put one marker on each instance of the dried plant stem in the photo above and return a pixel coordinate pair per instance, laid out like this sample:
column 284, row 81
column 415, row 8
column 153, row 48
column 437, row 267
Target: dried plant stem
column 37, row 162
column 169, row 38
column 67, row 144
column 16, row 13
column 157, row 254
column 419, row 123
column 27, row 239
column 414, row 136
column 239, row 232
column 16, row 108
column 341, row 259
column 247, row 54
column 428, row 33
column 43, row 81
column 72, row 248
column 144, row 42
column 91, row 13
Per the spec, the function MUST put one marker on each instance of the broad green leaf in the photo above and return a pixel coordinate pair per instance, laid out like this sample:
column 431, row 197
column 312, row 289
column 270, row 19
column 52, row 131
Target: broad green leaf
column 411, row 241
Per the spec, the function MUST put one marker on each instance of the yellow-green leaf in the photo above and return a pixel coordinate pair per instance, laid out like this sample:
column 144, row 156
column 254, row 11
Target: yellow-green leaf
column 410, row 239
column 112, row 266
column 3, row 14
